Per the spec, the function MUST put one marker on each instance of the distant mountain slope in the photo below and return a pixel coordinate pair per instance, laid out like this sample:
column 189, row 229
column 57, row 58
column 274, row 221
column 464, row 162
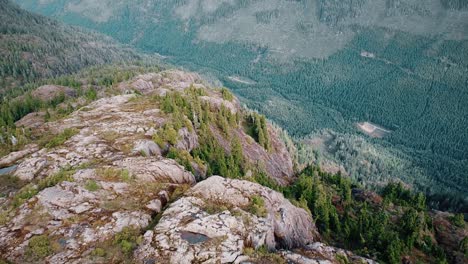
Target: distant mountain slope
column 33, row 46
column 319, row 65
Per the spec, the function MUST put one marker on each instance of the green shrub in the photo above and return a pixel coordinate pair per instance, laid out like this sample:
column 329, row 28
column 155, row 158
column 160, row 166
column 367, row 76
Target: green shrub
column 98, row 252
column 167, row 134
column 182, row 157
column 61, row 138
column 52, row 180
column 4, row 218
column 248, row 251
column 114, row 174
column 24, row 194
column 257, row 206
column 227, row 95
column 91, row 94
column 342, row 259
column 92, row 186
column 463, row 247
column 127, row 239
column 458, row 220
column 39, row 247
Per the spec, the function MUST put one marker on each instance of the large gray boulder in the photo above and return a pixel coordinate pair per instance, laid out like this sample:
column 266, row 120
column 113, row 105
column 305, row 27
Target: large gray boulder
column 214, row 222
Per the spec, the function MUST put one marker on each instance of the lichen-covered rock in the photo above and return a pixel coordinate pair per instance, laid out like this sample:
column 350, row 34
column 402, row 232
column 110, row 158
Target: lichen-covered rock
column 151, row 169
column 85, row 212
column 188, row 140
column 30, row 168
column 147, row 148
column 319, row 253
column 13, row 157
column 49, row 92
column 215, row 222
column 32, row 120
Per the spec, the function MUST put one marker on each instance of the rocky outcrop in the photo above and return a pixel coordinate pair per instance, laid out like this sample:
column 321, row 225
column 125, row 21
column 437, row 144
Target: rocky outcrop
column 188, row 140
column 276, row 162
column 318, row 253
column 147, row 148
column 215, row 221
column 49, row 92
column 159, row 83
column 151, row 169
column 81, row 215
column 292, row 226
column 32, row 120
column 13, row 157
column 450, row 236
column 108, row 174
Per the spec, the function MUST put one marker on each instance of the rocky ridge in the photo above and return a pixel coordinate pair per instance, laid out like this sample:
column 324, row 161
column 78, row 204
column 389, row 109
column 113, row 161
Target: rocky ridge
column 102, row 177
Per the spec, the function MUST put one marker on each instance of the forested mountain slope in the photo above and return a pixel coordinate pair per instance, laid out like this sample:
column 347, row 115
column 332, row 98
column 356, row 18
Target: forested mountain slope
column 34, row 47
column 398, row 64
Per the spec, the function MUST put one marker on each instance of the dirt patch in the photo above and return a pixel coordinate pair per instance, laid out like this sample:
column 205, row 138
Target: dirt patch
column 373, row 130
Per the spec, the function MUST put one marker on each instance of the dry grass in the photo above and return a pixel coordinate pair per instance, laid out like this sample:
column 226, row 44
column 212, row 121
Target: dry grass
column 114, row 174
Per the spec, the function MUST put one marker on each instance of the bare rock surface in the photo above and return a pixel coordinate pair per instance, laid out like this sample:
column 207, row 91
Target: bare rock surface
column 13, row 157
column 147, row 147
column 188, row 140
column 212, row 222
column 319, row 253
column 31, row 120
column 150, row 169
column 49, row 92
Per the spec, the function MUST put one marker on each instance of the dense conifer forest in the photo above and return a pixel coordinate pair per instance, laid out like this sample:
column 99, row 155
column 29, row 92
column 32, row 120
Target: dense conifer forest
column 34, row 47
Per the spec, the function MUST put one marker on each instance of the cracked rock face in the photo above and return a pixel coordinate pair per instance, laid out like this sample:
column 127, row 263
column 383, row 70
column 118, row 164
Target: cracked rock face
column 48, row 92
column 80, row 218
column 189, row 231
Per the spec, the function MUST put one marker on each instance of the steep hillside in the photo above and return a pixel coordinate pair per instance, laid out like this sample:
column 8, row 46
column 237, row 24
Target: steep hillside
column 92, row 182
column 129, row 175
column 399, row 64
column 34, row 47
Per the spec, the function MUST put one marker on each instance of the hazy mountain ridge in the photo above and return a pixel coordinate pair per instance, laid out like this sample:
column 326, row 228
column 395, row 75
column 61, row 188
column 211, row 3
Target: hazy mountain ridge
column 34, row 47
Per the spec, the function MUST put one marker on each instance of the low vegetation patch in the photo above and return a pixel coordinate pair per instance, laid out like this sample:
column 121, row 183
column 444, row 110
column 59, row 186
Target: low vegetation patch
column 39, row 247
column 262, row 255
column 257, row 206
column 227, row 95
column 59, row 139
column 458, row 220
column 119, row 249
column 30, row 190
column 114, row 174
column 127, row 240
column 54, row 179
column 92, row 186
